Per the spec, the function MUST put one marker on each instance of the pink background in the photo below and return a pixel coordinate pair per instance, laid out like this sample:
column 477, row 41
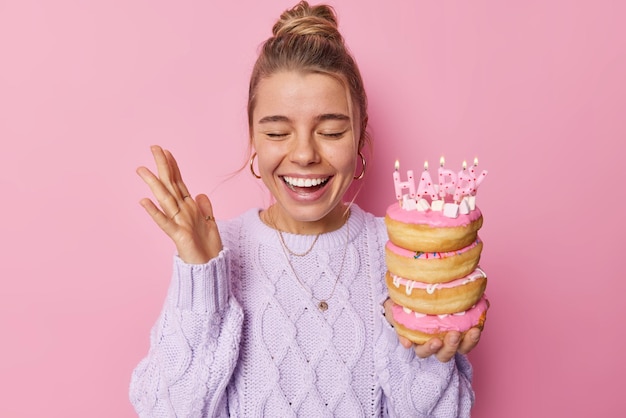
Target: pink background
column 535, row 89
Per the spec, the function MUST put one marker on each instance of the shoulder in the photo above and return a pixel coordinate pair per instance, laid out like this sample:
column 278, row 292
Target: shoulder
column 233, row 230
column 245, row 230
column 372, row 223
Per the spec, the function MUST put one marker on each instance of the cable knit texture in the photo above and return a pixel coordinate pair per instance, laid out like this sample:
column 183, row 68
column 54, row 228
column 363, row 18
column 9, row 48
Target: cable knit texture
column 241, row 337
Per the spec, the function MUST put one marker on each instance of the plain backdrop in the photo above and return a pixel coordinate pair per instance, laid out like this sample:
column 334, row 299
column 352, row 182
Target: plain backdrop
column 535, row 89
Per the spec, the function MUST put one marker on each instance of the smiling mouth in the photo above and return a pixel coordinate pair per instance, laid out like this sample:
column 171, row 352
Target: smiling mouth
column 298, row 184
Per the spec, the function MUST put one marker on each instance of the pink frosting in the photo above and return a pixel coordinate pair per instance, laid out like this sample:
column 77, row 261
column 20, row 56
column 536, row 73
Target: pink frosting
column 430, row 288
column 431, row 217
column 403, row 252
column 431, row 324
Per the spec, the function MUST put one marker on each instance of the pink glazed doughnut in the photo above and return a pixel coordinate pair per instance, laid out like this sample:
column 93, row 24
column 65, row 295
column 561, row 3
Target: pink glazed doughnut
column 431, row 231
column 420, row 328
column 432, row 267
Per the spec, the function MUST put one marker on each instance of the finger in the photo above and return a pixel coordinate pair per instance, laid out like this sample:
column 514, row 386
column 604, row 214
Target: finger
column 162, row 220
column 164, row 170
column 168, row 203
column 176, row 176
column 451, row 343
column 206, row 209
column 405, row 342
column 429, row 348
column 470, row 340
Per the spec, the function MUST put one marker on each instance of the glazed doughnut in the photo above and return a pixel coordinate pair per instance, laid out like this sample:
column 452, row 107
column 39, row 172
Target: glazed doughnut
column 431, row 231
column 439, row 298
column 432, row 267
column 419, row 328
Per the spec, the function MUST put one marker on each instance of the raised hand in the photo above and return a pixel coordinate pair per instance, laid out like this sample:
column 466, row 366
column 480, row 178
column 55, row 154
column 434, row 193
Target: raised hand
column 188, row 222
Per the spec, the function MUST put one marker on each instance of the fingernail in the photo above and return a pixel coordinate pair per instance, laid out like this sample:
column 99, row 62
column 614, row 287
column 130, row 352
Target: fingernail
column 454, row 339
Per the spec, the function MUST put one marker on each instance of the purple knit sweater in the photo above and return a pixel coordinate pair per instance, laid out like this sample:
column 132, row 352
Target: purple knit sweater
column 239, row 336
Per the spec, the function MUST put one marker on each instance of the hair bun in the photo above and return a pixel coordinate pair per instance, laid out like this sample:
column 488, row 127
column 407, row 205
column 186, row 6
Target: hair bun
column 303, row 19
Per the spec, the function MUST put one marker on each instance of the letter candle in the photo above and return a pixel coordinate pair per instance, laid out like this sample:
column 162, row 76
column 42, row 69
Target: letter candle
column 462, row 185
column 447, row 179
column 401, row 185
column 477, row 179
column 425, row 186
column 465, row 186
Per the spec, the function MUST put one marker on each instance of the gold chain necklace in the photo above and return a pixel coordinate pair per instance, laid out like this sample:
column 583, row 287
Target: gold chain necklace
column 282, row 241
column 322, row 304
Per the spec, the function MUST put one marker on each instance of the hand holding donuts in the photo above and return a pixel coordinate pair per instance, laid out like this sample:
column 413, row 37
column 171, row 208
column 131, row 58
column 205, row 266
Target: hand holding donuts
column 188, row 222
column 445, row 349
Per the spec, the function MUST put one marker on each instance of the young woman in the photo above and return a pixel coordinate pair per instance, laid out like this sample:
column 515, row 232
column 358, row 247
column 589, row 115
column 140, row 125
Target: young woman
column 281, row 311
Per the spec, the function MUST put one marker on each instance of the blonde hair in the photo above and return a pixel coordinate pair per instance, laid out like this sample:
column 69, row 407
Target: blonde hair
column 306, row 38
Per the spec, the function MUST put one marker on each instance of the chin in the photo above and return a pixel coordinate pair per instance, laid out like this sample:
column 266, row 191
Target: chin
column 308, row 214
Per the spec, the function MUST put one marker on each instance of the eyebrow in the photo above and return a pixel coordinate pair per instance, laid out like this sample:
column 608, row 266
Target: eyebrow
column 332, row 116
column 320, row 118
column 275, row 118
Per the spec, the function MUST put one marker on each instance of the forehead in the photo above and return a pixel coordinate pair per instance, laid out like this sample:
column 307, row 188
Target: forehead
column 296, row 94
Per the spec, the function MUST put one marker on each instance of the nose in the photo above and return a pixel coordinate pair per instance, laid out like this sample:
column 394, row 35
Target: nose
column 304, row 150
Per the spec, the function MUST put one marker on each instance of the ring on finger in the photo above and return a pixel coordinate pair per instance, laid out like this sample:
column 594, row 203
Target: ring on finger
column 209, row 218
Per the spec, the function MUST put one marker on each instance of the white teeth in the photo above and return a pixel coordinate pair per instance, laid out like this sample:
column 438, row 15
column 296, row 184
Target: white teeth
column 300, row 182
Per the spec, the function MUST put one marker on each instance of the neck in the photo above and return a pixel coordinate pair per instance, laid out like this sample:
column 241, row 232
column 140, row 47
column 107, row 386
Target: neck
column 275, row 218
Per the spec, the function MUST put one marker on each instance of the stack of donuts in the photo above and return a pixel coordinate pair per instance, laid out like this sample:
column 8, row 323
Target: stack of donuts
column 433, row 276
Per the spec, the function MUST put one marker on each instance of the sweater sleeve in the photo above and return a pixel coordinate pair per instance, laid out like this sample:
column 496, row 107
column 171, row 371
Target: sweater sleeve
column 421, row 387
column 193, row 346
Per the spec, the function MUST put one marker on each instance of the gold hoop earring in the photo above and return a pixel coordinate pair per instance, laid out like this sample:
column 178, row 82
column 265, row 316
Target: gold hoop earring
column 252, row 167
column 364, row 162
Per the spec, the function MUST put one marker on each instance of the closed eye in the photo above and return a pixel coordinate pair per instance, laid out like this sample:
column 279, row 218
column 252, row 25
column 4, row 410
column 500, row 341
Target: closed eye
column 276, row 135
column 333, row 134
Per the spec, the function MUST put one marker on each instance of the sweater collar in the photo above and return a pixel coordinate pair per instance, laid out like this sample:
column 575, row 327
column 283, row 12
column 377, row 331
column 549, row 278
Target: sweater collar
column 299, row 243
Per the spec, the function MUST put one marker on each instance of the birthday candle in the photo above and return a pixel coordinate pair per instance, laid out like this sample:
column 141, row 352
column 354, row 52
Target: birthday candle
column 401, row 185
column 425, row 186
column 447, row 179
column 478, row 178
column 465, row 185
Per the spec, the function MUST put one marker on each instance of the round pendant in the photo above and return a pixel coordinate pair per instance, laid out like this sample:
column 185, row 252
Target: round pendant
column 322, row 305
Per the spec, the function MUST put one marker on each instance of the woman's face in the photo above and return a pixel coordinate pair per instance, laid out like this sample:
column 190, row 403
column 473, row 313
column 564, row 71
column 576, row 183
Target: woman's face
column 303, row 134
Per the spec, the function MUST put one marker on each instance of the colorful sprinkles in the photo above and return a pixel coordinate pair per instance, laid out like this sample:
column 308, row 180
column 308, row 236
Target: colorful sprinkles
column 419, row 254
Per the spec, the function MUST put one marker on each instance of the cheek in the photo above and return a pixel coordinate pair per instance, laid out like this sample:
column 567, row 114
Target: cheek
column 348, row 167
column 343, row 161
column 268, row 159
